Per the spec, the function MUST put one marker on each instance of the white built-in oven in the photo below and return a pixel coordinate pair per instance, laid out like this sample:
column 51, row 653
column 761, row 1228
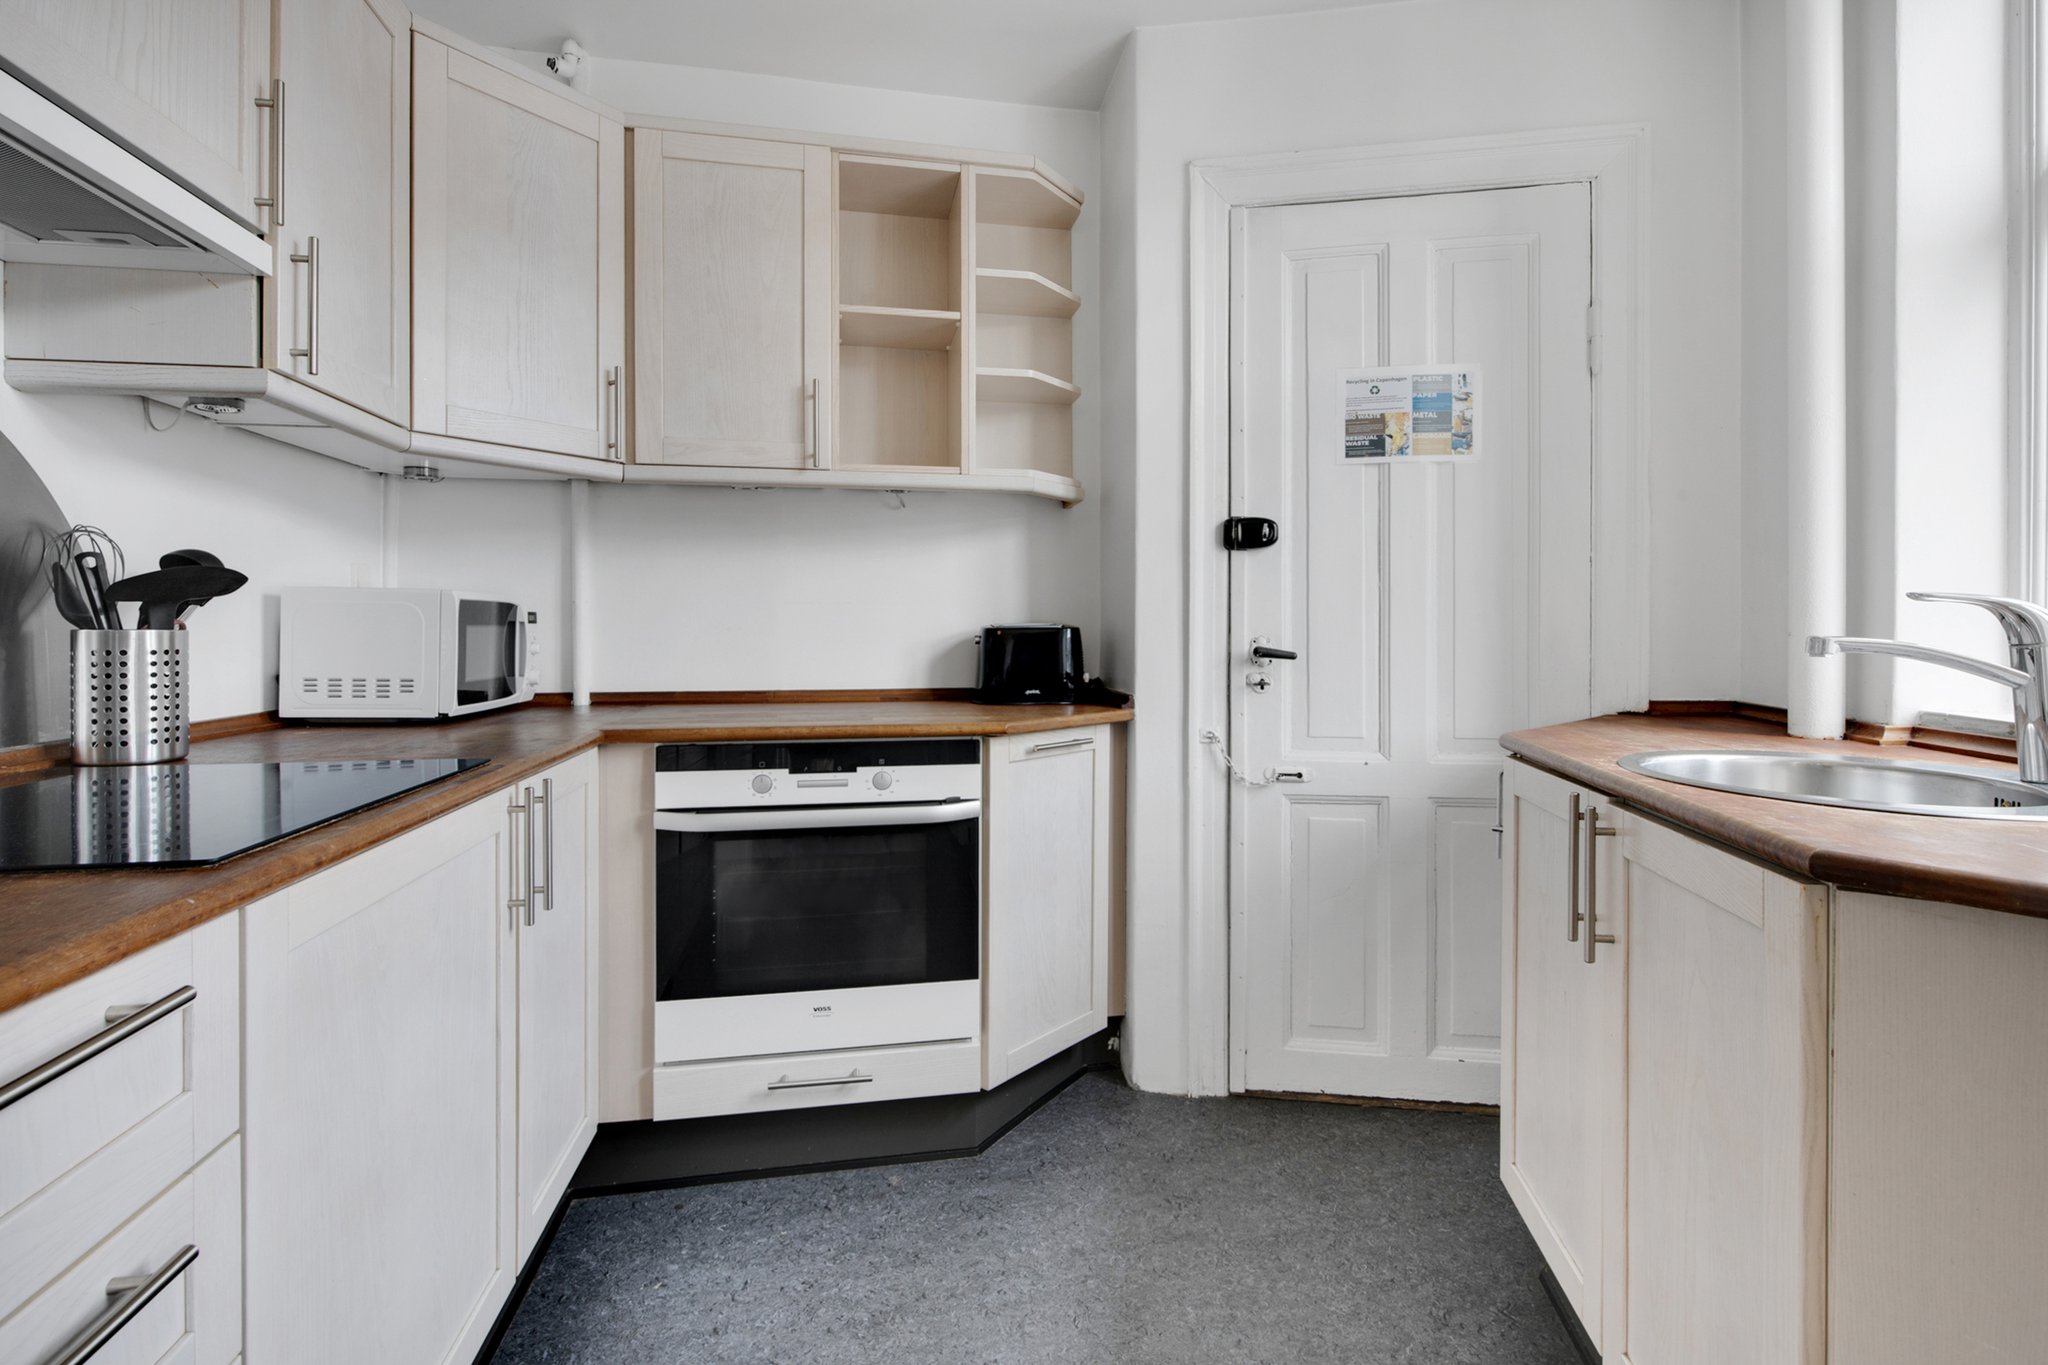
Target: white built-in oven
column 816, row 896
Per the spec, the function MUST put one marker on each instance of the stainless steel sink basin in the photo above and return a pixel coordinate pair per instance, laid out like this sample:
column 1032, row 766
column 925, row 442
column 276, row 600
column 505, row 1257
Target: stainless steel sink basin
column 1862, row 783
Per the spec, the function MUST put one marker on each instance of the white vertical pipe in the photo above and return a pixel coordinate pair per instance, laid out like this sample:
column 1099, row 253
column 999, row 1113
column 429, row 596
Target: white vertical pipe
column 582, row 589
column 1817, row 459
column 387, row 534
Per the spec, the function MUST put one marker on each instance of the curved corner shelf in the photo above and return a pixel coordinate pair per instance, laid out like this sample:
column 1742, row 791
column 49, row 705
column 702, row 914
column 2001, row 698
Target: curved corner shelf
column 1022, row 386
column 1037, row 483
column 1023, row 292
column 902, row 329
column 1021, row 199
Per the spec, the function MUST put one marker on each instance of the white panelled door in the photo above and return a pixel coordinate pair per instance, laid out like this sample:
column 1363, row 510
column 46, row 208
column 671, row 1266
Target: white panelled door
column 1433, row 607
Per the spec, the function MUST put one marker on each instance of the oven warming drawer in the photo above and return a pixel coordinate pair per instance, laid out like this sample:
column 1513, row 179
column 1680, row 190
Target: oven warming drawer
column 815, row 1080
column 737, row 1026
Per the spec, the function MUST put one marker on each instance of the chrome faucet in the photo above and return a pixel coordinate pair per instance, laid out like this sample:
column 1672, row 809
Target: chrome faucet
column 2026, row 632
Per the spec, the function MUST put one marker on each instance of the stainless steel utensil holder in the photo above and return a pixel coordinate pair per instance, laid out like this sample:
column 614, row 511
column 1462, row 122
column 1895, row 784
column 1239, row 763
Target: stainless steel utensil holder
column 128, row 696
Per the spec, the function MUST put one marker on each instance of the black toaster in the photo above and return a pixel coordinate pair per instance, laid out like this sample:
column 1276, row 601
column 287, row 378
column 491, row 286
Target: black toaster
column 1031, row 663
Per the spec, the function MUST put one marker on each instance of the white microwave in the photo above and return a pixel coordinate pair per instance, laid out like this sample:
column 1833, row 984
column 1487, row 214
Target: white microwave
column 401, row 654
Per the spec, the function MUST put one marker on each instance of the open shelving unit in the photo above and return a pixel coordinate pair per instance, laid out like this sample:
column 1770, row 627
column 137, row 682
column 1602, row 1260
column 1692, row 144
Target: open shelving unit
column 1021, row 327
column 898, row 295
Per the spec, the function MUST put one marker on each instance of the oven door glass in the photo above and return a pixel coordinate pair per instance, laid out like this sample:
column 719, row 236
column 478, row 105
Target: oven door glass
column 486, row 652
column 757, row 912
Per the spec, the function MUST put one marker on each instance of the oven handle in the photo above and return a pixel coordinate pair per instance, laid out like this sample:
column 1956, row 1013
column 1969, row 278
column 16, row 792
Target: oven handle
column 819, row 817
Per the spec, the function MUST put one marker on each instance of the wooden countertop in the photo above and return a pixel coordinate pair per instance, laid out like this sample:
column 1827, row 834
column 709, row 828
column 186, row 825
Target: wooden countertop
column 56, row 927
column 1999, row 865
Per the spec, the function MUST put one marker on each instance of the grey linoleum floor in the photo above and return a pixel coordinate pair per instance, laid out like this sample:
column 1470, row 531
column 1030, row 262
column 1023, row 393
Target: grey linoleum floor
column 1110, row 1226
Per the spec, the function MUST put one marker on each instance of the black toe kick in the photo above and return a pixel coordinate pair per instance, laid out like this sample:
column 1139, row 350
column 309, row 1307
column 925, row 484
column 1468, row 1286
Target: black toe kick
column 644, row 1155
column 1580, row 1341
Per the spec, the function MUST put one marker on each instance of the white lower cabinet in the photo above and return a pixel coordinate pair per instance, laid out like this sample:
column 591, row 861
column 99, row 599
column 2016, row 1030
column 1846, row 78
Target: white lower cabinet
column 1045, row 938
column 1664, row 1111
column 380, row 1099
column 419, row 1077
column 119, row 1100
column 557, row 949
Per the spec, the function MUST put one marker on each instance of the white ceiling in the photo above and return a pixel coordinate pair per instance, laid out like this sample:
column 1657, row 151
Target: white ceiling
column 1053, row 52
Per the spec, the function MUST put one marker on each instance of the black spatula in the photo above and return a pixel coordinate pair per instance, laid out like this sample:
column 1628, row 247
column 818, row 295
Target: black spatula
column 165, row 592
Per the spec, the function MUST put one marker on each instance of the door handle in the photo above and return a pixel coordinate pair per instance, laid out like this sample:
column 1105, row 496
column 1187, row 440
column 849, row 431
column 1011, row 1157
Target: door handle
column 1594, row 833
column 310, row 258
column 274, row 201
column 1574, row 816
column 123, row 1024
column 853, row 1078
column 1272, row 652
column 129, row 1297
column 613, row 412
column 536, row 889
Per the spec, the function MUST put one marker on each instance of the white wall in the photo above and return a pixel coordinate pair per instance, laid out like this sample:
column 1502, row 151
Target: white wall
column 1362, row 76
column 1763, row 444
column 278, row 514
column 713, row 589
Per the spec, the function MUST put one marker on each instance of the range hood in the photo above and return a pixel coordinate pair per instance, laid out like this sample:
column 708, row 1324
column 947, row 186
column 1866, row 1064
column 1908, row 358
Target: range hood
column 70, row 195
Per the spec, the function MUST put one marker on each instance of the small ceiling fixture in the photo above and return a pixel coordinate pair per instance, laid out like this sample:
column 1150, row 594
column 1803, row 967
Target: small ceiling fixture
column 215, row 407
column 422, row 473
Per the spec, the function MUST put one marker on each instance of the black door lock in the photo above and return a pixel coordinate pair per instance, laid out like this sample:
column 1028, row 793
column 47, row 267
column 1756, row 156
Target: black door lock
column 1250, row 533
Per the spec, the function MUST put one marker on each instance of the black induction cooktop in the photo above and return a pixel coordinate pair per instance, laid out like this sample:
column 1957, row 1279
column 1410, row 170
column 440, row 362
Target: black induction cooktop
column 192, row 814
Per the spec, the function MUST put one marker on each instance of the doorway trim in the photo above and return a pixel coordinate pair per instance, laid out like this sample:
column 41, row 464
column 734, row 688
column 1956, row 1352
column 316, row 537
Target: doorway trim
column 1613, row 162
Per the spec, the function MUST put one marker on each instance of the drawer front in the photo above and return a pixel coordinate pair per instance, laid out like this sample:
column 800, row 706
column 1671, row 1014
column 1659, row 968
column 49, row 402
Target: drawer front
column 815, row 1080
column 195, row 1316
column 82, row 1152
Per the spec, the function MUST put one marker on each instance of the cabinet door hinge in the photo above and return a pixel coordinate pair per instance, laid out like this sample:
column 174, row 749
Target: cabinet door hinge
column 1593, row 337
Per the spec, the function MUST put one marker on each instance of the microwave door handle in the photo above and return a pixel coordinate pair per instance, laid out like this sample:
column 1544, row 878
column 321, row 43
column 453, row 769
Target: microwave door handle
column 817, row 817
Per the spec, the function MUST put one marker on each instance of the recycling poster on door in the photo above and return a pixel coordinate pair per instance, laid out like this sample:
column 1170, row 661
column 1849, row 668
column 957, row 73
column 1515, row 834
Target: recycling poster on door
column 1409, row 414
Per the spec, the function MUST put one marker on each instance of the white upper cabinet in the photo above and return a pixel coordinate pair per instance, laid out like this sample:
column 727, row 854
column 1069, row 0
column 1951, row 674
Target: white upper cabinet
column 519, row 241
column 339, row 317
column 732, row 273
column 176, row 80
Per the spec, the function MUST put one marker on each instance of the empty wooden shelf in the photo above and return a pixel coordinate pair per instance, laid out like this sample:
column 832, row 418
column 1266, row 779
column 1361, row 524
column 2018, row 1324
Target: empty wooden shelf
column 1023, row 386
column 913, row 329
column 1023, row 292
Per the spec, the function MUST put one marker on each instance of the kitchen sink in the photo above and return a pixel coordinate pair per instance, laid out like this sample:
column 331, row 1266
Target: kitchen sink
column 1861, row 783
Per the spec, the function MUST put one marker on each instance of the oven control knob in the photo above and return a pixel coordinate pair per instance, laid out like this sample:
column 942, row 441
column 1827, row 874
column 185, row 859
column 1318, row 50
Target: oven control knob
column 883, row 781
column 763, row 784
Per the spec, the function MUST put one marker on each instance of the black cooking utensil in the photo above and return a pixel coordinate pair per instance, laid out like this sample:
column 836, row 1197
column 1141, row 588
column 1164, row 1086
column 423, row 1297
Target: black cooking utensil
column 164, row 593
column 71, row 603
column 186, row 559
column 92, row 580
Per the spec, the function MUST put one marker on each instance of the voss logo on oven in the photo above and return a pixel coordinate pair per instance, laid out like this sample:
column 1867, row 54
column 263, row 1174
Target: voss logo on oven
column 820, row 1011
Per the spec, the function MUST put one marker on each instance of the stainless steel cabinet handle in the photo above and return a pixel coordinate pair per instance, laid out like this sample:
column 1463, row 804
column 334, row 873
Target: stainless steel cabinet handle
column 130, row 1296
column 274, row 201
column 125, row 1024
column 1594, row 834
column 1061, row 744
column 787, row 1084
column 547, row 844
column 521, row 902
column 310, row 259
column 811, row 422
column 1571, row 858
column 614, row 386
column 535, row 888
column 1499, row 828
